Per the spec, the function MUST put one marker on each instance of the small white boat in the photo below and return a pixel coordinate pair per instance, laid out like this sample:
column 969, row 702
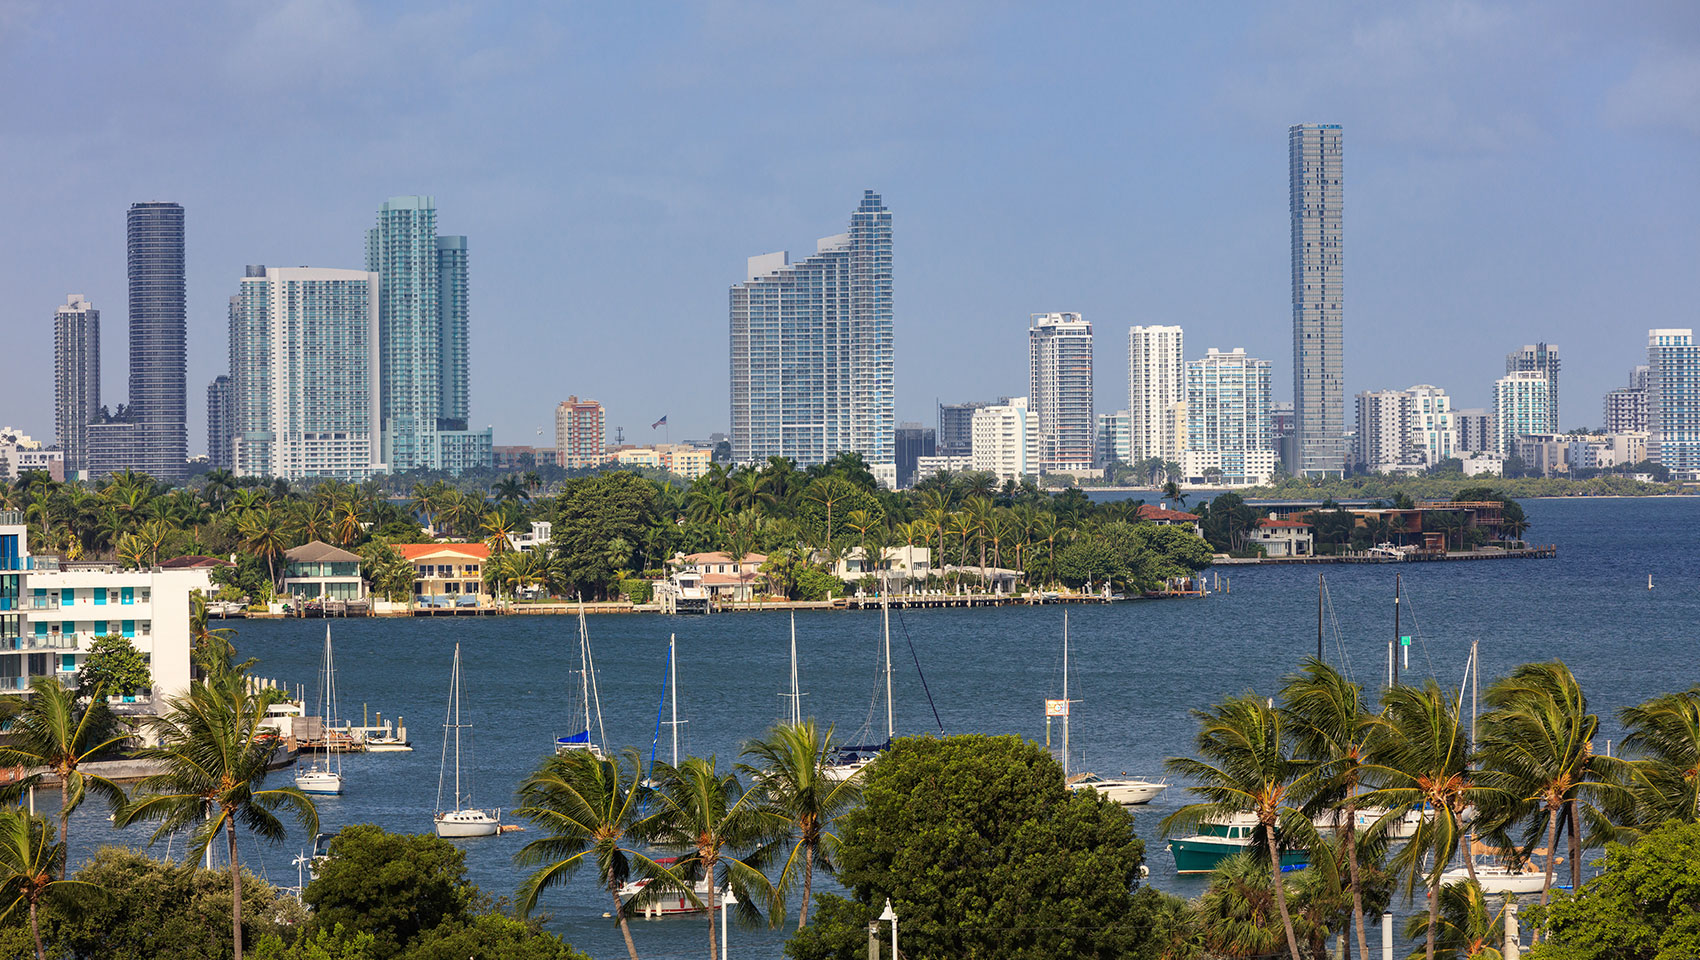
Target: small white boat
column 581, row 741
column 1497, row 879
column 673, row 903
column 319, row 782
column 1127, row 791
column 461, row 819
column 324, row 776
column 850, row 763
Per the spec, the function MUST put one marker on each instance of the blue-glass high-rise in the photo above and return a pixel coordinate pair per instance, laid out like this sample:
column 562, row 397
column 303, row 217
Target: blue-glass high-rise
column 159, row 386
column 811, row 349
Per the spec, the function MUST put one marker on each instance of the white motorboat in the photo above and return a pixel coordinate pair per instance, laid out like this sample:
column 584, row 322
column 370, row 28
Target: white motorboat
column 673, row 903
column 1127, row 791
column 461, row 818
column 1497, row 879
column 323, row 777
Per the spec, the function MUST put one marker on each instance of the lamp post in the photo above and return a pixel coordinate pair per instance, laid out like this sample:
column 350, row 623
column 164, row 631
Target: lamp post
column 726, row 904
column 891, row 915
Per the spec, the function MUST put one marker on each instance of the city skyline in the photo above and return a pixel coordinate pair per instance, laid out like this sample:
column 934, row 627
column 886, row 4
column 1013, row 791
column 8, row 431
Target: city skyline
column 1476, row 201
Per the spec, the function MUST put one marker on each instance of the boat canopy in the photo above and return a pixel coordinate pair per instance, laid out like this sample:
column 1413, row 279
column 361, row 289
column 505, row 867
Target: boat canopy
column 583, row 737
column 864, row 748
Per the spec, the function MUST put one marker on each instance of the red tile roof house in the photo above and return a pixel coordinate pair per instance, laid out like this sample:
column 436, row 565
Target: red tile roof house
column 446, row 574
column 1164, row 517
column 1284, row 538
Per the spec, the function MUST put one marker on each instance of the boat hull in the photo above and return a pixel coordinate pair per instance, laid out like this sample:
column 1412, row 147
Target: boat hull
column 378, row 746
column 672, row 903
column 1497, row 882
column 319, row 783
column 1128, row 793
column 1202, row 854
column 467, row 823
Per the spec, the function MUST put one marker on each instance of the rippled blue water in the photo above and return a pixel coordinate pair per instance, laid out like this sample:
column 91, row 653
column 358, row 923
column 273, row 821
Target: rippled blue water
column 1137, row 669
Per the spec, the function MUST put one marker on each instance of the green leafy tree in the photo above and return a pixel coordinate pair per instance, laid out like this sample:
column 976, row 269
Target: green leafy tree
column 1642, row 907
column 591, row 512
column 53, row 732
column 492, row 935
column 984, row 853
column 389, row 573
column 393, row 886
column 1662, row 781
column 790, row 767
column 31, row 866
column 115, row 667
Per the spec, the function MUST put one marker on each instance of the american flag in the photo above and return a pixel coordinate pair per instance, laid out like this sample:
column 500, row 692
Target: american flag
column 658, row 423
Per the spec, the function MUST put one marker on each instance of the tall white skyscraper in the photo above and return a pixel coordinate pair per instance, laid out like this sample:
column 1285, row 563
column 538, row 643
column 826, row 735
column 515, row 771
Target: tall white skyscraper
column 1156, row 379
column 1006, row 440
column 1541, row 358
column 1227, row 428
column 304, row 369
column 1059, row 354
column 1673, row 401
column 1316, row 205
column 1522, row 406
column 811, row 346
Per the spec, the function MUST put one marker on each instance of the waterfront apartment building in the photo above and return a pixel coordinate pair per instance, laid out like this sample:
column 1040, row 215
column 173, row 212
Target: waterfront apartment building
column 76, row 378
column 1156, row 377
column 933, row 466
column 54, row 612
column 581, row 433
column 1673, row 401
column 1626, row 408
column 151, row 434
column 221, row 423
column 1059, row 361
column 956, row 427
column 811, row 349
column 1475, row 430
column 1520, row 407
column 1114, row 438
column 1541, row 358
column 1227, row 430
column 304, row 374
column 1006, row 440
column 424, row 388
column 914, row 441
column 1404, row 431
column 1316, row 209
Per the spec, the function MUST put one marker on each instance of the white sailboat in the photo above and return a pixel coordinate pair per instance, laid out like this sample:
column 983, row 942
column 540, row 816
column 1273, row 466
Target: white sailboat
column 460, row 819
column 324, row 776
column 795, row 715
column 1125, row 790
column 581, row 741
column 852, row 760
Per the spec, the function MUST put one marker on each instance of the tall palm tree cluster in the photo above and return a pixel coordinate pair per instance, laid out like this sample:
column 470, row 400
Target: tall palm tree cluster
column 1320, row 769
column 212, row 754
column 760, row 830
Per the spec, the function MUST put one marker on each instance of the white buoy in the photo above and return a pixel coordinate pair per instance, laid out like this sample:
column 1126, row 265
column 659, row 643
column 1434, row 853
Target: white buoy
column 1649, row 581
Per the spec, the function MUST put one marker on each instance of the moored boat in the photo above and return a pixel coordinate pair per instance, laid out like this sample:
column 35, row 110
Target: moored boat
column 1127, row 791
column 1217, row 840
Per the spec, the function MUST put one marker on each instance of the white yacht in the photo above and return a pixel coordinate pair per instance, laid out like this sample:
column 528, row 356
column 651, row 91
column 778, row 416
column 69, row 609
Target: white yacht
column 1127, row 791
column 461, row 818
column 323, row 777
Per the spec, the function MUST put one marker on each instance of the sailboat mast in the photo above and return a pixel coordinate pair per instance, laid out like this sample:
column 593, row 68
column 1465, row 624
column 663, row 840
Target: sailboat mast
column 584, row 664
column 1319, row 618
column 673, row 685
column 796, row 695
column 1393, row 647
column 457, row 725
column 1067, row 707
column 885, row 611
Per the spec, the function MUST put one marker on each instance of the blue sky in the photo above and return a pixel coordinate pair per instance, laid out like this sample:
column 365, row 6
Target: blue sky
column 1514, row 172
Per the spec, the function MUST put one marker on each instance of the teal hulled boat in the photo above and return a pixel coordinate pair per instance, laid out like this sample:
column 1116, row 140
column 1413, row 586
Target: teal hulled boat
column 1201, row 852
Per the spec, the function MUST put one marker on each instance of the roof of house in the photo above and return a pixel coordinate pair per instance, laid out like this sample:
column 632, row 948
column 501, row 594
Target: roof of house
column 420, row 551
column 321, row 552
column 1283, row 524
column 720, row 556
column 193, row 561
column 1165, row 515
column 727, row 579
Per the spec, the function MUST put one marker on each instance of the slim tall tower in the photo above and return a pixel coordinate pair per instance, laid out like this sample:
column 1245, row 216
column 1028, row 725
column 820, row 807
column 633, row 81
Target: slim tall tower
column 1059, row 352
column 1541, row 358
column 221, row 423
column 452, row 380
column 159, row 388
column 76, row 377
column 1156, row 378
column 1316, row 207
column 811, row 349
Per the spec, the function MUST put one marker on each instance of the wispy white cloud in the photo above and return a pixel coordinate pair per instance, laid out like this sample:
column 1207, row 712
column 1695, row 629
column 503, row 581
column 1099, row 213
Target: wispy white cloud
column 1661, row 91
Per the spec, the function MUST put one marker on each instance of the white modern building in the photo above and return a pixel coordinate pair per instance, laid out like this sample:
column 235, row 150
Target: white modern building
column 933, row 466
column 60, row 609
column 1673, row 401
column 1114, row 445
column 1156, row 377
column 1059, row 358
column 1540, row 358
column 1404, row 431
column 304, row 372
column 1006, row 440
column 1475, row 430
column 1520, row 408
column 1626, row 408
column 1228, row 439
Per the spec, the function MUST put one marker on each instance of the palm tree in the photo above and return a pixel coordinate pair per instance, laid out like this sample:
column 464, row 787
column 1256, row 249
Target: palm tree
column 1538, row 752
column 790, row 770
column 51, row 733
column 589, row 808
column 209, row 646
column 1332, row 728
column 1663, row 781
column 1246, row 767
column 27, row 865
column 1421, row 762
column 510, row 489
column 1466, row 927
column 215, row 757
column 710, row 816
column 261, row 530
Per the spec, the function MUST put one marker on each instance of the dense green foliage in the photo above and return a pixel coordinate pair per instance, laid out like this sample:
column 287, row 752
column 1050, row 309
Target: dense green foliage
column 1643, row 907
column 392, row 886
column 983, row 853
column 115, row 666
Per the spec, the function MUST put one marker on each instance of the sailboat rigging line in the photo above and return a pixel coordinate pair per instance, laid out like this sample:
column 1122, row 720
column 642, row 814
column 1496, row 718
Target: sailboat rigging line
column 660, row 709
column 917, row 658
column 1339, row 639
column 1417, row 631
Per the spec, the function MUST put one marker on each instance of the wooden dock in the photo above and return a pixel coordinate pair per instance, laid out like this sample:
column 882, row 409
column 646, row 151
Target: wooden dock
column 1416, row 556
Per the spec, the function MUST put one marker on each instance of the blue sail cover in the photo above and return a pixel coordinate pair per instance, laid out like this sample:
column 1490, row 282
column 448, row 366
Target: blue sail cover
column 575, row 738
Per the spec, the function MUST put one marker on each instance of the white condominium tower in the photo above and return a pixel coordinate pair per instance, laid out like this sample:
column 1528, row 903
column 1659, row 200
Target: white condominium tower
column 1227, row 407
column 812, row 352
column 1673, row 401
column 1405, row 429
column 76, row 378
column 1541, row 358
column 1059, row 352
column 1522, row 406
column 1156, row 377
column 304, row 374
column 1005, row 438
column 1316, row 207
